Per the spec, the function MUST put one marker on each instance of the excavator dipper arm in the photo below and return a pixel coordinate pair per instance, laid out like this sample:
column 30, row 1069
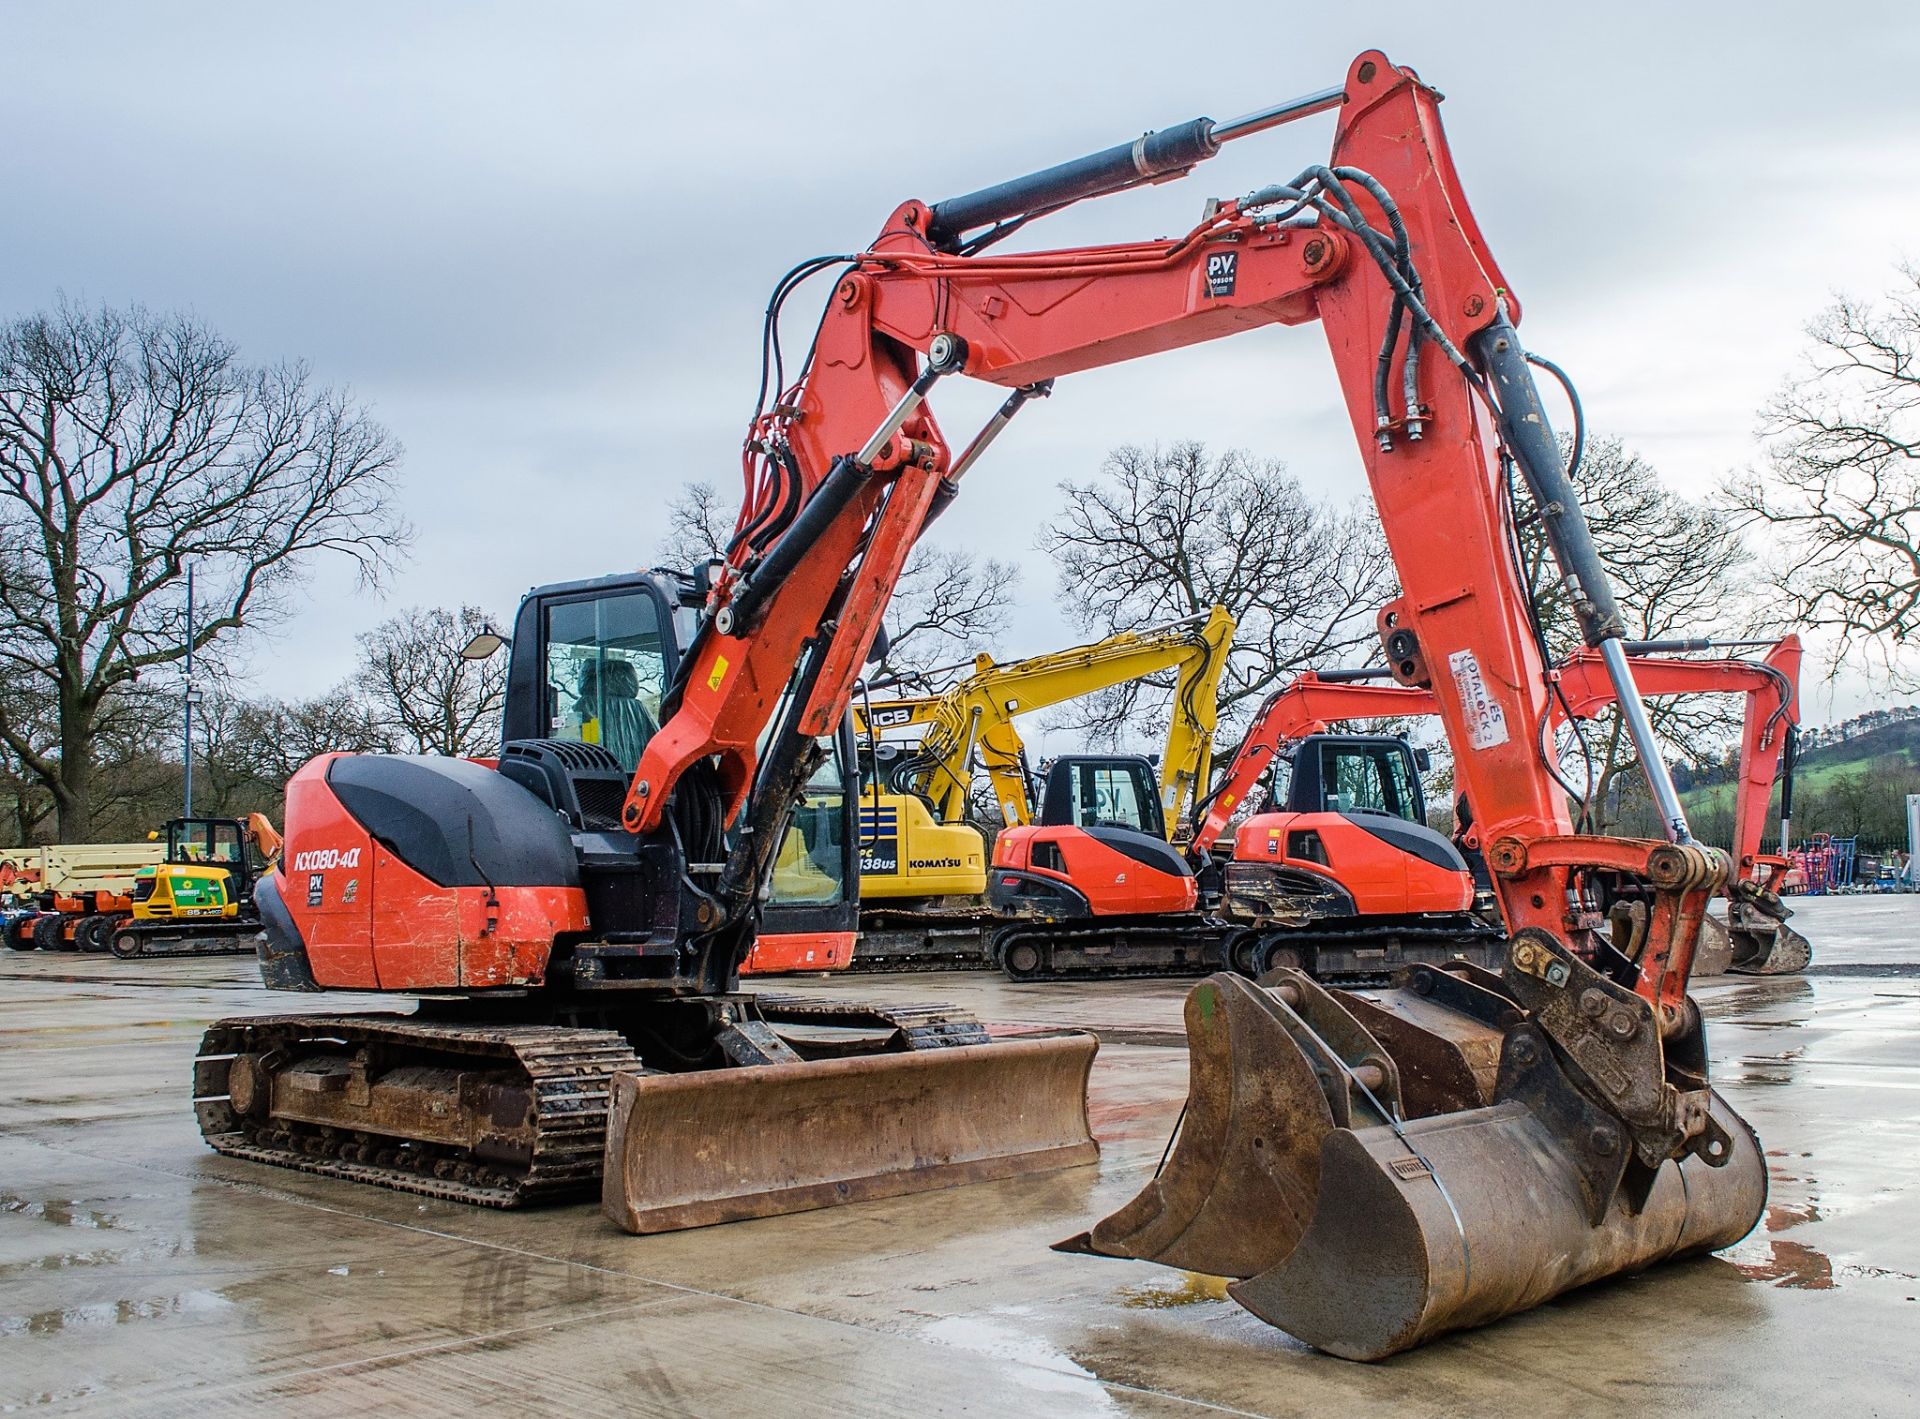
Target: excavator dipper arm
column 1305, row 706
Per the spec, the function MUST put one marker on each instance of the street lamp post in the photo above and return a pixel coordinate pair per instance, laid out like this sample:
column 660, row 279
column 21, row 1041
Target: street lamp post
column 192, row 698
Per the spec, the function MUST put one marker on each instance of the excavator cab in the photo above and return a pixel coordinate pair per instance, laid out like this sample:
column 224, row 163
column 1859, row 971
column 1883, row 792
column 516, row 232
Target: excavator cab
column 1103, row 791
column 1344, row 877
column 1349, row 773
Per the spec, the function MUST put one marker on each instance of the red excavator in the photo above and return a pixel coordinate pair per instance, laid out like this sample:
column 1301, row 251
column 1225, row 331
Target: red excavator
column 1318, row 864
column 1341, row 877
column 1343, row 1153
column 1755, row 938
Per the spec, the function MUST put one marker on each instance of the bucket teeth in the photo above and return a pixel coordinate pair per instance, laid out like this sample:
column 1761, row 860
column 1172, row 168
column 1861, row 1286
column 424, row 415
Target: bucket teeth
column 1493, row 1184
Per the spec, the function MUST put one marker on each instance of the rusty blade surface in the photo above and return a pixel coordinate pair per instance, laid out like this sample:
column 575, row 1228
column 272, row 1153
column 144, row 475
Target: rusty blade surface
column 723, row 1145
column 1240, row 1182
column 1476, row 1215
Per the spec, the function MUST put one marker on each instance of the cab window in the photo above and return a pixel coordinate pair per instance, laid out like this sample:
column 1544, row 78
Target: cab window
column 1108, row 794
column 1373, row 778
column 810, row 869
column 606, row 670
column 195, row 840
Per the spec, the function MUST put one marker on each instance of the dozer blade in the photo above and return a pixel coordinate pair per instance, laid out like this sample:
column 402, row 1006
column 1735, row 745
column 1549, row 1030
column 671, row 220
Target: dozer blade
column 724, row 1145
column 1297, row 1172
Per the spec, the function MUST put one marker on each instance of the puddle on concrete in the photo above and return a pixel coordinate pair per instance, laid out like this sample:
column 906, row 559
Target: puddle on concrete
column 103, row 1256
column 1796, row 1199
column 1008, row 1333
column 1194, row 1289
column 1767, row 1068
column 106, row 1314
column 59, row 1211
column 1792, row 1266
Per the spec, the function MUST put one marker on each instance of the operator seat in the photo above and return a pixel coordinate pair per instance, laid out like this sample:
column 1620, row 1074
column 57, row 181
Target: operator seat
column 625, row 725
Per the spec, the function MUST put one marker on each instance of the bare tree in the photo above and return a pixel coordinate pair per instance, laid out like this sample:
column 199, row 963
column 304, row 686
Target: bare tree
column 1839, row 496
column 699, row 526
column 949, row 604
column 1165, row 533
column 1677, row 570
column 248, row 749
column 132, row 446
column 424, row 697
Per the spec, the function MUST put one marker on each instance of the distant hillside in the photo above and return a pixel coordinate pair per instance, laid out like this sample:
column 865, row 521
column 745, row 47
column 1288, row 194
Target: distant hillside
column 1900, row 737
column 1851, row 781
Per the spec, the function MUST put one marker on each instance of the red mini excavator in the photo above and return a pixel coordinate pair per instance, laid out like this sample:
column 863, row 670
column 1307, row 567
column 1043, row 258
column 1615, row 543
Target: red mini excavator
column 1341, row 877
column 1344, row 1154
column 1302, row 874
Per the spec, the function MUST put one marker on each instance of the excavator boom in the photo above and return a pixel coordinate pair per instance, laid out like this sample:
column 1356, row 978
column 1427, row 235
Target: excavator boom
column 973, row 720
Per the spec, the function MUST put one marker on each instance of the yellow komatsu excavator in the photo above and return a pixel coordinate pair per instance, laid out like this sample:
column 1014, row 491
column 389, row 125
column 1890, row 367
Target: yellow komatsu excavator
column 923, row 850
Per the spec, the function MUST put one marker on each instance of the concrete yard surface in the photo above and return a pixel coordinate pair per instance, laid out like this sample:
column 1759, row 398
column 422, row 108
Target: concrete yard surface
column 141, row 1274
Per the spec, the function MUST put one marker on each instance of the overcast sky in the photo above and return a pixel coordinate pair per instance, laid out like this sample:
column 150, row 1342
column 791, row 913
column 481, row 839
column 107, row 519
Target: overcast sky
column 536, row 240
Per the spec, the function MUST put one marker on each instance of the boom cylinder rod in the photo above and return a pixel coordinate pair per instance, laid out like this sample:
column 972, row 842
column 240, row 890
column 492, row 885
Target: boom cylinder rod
column 1260, row 120
column 1349, row 677
column 1529, row 437
column 1152, row 157
column 844, row 480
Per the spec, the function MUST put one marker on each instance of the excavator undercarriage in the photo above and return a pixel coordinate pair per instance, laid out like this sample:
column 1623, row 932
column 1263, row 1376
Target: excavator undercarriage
column 465, row 1105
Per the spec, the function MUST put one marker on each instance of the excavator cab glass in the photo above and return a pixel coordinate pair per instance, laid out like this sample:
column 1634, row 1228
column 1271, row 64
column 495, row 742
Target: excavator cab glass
column 606, row 670
column 1103, row 792
column 1338, row 773
column 811, row 867
column 205, row 841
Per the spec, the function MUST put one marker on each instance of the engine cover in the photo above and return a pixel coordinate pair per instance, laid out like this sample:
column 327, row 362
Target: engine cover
column 416, row 872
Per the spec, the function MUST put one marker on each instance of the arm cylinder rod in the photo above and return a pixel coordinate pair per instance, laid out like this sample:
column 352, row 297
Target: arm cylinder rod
column 1529, row 438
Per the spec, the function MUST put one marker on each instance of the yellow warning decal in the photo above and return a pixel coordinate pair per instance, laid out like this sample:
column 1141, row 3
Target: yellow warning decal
column 718, row 673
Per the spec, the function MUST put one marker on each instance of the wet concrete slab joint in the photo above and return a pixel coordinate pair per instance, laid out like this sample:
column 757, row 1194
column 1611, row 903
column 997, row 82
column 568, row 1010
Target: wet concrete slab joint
column 141, row 1274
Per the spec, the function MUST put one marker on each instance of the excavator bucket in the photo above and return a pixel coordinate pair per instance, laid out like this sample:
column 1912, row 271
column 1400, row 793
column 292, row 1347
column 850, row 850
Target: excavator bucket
column 724, row 1145
column 1373, row 1169
column 1759, row 941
